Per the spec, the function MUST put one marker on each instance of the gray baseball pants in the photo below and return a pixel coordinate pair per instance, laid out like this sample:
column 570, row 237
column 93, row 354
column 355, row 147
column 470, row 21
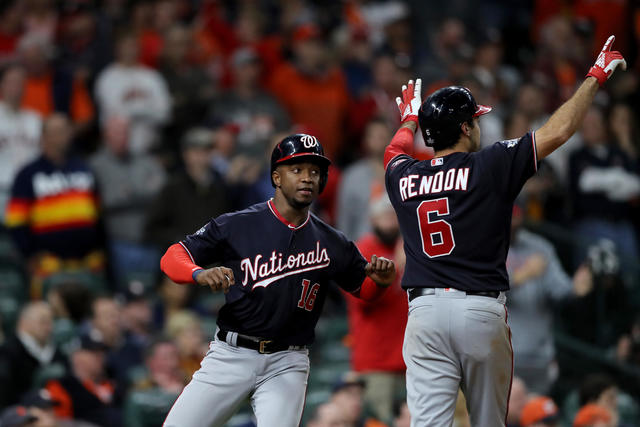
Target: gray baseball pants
column 276, row 384
column 452, row 341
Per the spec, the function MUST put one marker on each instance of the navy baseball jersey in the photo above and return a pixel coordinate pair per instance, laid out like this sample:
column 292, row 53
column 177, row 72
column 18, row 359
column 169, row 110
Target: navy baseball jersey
column 281, row 271
column 455, row 213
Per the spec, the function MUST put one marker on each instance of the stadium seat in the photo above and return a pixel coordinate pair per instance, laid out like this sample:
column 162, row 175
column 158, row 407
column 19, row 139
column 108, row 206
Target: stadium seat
column 9, row 310
column 147, row 408
column 93, row 282
column 13, row 283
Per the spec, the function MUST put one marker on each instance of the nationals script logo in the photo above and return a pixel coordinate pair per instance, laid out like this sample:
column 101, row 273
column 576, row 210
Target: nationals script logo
column 268, row 270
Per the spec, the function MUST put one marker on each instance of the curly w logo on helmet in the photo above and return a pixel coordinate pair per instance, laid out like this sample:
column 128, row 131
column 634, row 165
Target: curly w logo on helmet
column 309, row 141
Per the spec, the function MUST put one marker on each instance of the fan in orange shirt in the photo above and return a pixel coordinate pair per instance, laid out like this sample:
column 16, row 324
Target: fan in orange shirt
column 313, row 93
column 48, row 90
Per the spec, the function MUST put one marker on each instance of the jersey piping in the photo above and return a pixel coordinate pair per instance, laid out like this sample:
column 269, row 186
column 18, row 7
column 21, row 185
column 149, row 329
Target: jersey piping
column 283, row 220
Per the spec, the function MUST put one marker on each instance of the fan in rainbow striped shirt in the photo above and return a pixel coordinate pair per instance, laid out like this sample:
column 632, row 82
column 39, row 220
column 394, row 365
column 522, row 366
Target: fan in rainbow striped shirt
column 53, row 212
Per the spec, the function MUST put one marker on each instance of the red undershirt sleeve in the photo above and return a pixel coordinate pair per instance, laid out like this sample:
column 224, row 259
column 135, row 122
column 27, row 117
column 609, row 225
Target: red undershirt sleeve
column 402, row 143
column 369, row 291
column 178, row 264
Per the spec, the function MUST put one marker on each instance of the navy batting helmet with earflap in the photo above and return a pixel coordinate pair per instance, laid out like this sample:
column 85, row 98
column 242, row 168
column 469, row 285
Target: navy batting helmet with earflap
column 443, row 112
column 301, row 148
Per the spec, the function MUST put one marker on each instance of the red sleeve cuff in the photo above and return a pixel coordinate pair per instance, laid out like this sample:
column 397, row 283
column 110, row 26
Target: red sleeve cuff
column 402, row 143
column 178, row 264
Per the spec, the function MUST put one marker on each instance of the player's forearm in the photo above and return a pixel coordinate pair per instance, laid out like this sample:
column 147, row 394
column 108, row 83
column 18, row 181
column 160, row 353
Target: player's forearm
column 177, row 264
column 566, row 120
column 402, row 142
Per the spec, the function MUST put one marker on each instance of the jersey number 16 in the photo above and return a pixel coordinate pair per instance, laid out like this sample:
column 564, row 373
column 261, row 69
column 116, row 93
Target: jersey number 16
column 308, row 296
column 437, row 234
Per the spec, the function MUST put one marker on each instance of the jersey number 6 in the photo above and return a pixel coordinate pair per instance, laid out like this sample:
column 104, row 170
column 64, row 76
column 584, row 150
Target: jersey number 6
column 437, row 235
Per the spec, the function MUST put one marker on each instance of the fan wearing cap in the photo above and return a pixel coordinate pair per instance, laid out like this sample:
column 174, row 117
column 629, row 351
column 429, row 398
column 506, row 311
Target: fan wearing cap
column 347, row 394
column 593, row 415
column 455, row 213
column 274, row 261
column 539, row 411
column 86, row 393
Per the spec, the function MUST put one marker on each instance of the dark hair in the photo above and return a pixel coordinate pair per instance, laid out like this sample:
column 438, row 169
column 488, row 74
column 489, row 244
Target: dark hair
column 76, row 299
column 593, row 386
column 397, row 407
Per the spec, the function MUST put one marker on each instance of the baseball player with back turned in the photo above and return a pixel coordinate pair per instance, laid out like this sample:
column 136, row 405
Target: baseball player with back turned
column 454, row 213
column 277, row 261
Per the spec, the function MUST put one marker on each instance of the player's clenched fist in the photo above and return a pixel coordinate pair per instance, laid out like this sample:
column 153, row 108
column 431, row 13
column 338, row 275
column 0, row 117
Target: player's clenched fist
column 381, row 270
column 217, row 278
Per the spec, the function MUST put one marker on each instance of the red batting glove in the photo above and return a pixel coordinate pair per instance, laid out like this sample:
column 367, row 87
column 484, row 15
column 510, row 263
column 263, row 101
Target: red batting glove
column 410, row 102
column 607, row 62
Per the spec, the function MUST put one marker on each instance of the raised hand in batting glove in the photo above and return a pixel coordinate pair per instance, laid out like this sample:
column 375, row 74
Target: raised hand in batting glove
column 607, row 62
column 410, row 102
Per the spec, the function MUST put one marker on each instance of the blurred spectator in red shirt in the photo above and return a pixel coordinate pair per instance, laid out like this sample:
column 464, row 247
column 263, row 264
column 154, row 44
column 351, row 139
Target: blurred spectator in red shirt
column 11, row 12
column 607, row 17
column 382, row 320
column 313, row 91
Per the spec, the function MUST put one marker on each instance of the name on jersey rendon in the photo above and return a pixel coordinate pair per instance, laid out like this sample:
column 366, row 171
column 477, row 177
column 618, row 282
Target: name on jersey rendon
column 414, row 186
column 295, row 263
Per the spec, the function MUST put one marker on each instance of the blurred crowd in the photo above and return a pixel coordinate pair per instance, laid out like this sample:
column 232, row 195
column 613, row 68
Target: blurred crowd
column 127, row 124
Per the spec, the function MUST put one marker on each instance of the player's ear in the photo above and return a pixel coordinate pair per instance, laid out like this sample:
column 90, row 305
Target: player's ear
column 466, row 129
column 275, row 177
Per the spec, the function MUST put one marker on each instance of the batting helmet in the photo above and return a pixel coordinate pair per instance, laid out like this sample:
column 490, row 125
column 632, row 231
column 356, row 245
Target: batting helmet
column 301, row 148
column 442, row 113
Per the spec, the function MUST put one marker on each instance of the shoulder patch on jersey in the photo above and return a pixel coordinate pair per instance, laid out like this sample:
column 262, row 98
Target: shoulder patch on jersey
column 396, row 162
column 438, row 161
column 199, row 232
column 510, row 143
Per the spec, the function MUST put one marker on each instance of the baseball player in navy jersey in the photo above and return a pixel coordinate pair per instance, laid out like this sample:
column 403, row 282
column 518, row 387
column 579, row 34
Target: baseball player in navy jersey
column 454, row 213
column 276, row 260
